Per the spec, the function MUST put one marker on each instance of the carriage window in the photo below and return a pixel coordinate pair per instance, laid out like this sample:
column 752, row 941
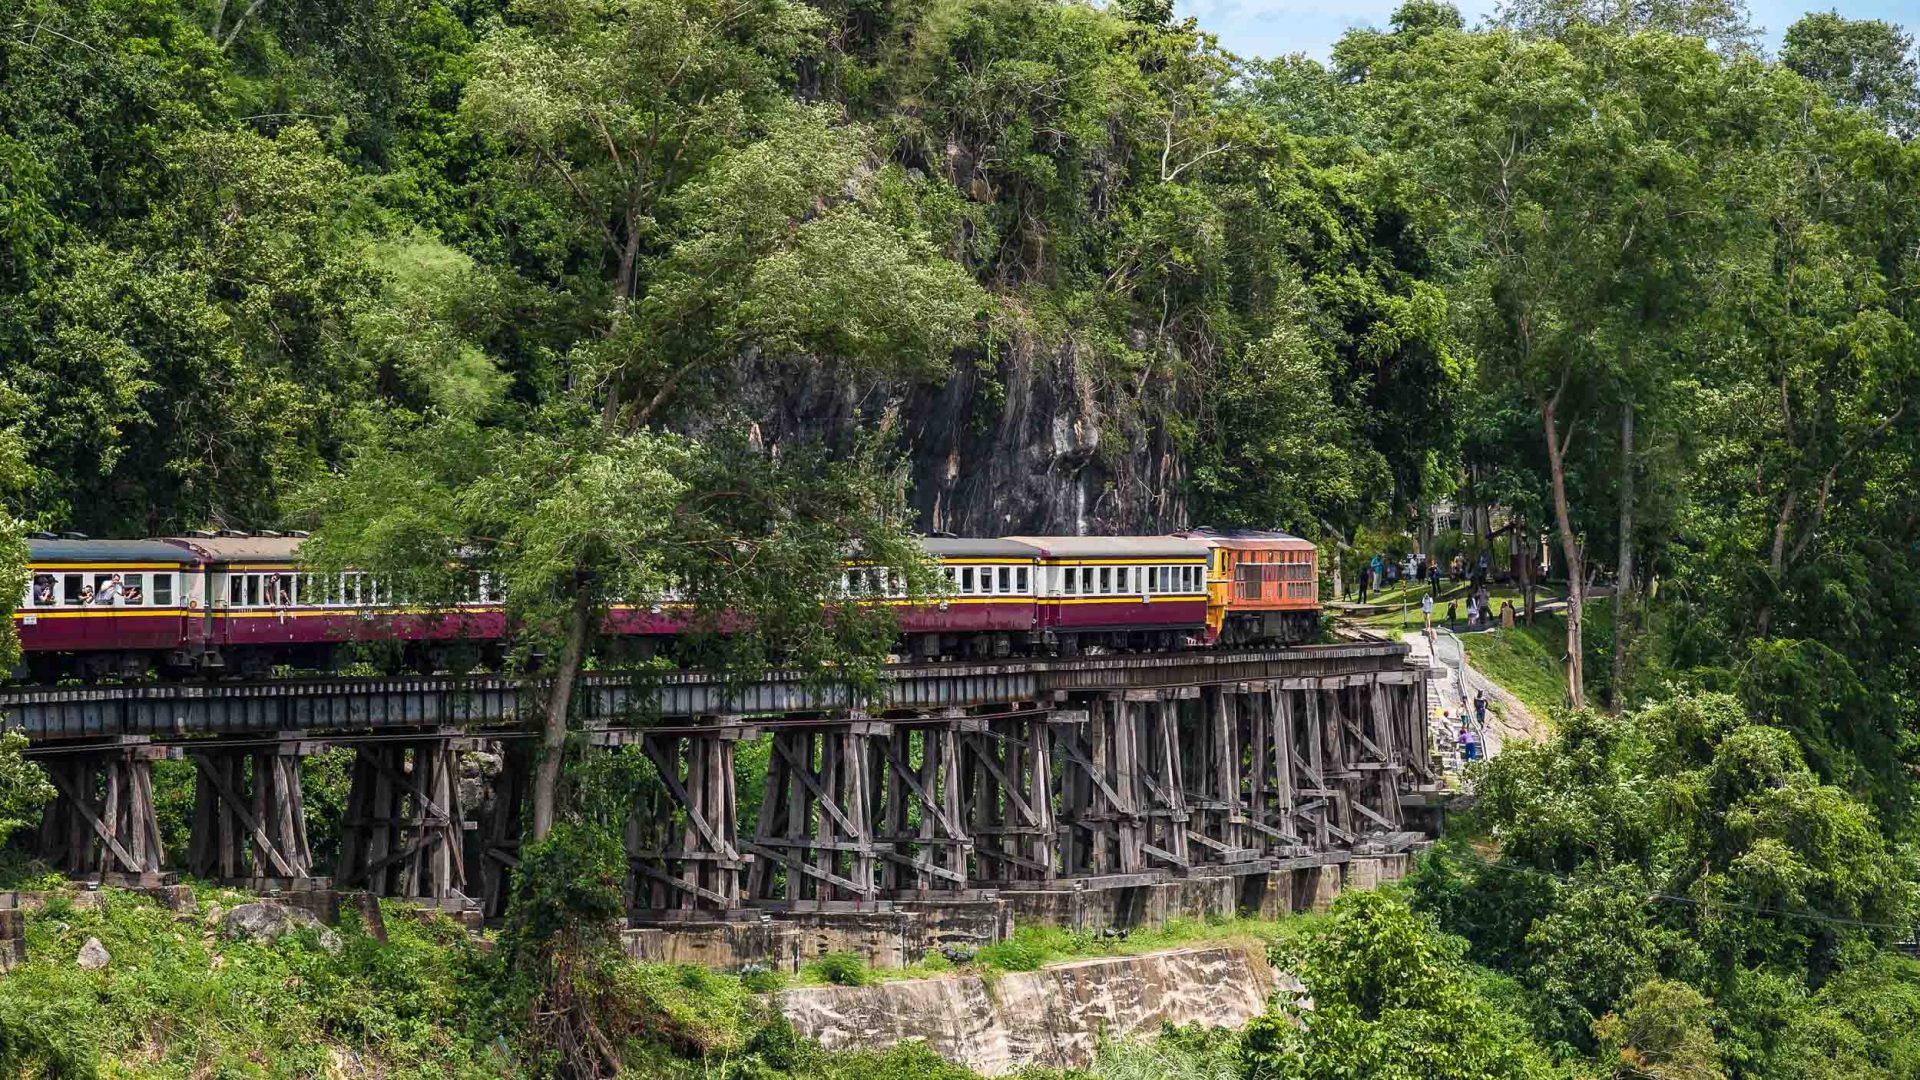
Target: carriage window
column 72, row 588
column 44, row 591
column 133, row 590
column 163, row 590
column 1067, row 580
column 966, row 579
column 1106, row 580
column 1020, row 580
column 1006, row 579
column 953, row 578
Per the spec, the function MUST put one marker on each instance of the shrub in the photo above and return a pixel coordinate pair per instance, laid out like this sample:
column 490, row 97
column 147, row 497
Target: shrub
column 840, row 969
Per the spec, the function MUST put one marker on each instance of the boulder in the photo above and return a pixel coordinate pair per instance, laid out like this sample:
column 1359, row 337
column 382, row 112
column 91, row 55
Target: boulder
column 93, row 955
column 268, row 920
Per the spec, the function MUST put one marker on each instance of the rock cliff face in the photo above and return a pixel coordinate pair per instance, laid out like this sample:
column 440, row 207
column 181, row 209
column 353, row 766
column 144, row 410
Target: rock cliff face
column 1029, row 444
column 1055, row 1016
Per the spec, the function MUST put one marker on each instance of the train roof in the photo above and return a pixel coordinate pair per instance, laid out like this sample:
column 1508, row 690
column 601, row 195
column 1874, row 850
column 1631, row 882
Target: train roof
column 963, row 546
column 241, row 549
column 1115, row 547
column 1263, row 539
column 104, row 551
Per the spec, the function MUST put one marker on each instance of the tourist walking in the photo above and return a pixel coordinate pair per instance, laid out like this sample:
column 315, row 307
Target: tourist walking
column 1426, row 612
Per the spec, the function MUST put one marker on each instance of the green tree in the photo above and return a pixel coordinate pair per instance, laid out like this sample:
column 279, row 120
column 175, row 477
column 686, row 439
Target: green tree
column 714, row 217
column 1866, row 63
column 1391, row 998
column 1664, row 1031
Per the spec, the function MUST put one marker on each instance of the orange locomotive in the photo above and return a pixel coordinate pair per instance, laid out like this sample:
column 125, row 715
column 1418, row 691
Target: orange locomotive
column 1263, row 588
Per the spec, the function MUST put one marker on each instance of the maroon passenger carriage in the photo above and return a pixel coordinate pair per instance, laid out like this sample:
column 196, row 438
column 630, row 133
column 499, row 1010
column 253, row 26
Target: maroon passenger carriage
column 108, row 607
column 263, row 610
column 1120, row 592
column 991, row 604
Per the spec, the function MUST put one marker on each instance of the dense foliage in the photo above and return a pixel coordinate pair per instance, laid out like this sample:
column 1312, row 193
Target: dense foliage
column 612, row 298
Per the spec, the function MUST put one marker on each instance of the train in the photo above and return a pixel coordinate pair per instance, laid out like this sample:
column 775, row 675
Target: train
column 242, row 604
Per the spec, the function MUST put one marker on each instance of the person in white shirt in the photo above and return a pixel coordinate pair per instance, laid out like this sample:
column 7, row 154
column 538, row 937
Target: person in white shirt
column 1426, row 610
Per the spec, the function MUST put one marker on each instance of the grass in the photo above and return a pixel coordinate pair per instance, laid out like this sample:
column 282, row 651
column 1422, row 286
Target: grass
column 177, row 999
column 180, row 1000
column 1032, row 947
column 1527, row 661
column 1408, row 597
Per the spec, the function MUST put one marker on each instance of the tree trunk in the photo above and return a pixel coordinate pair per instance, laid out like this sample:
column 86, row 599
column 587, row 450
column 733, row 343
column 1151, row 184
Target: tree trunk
column 1623, row 580
column 553, row 730
column 1570, row 550
column 1523, row 543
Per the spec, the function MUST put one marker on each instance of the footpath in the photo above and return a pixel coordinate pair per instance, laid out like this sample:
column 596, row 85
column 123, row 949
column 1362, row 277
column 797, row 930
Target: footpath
column 1450, row 695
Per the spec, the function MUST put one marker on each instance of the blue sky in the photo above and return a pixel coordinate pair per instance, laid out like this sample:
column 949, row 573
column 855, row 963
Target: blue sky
column 1275, row 27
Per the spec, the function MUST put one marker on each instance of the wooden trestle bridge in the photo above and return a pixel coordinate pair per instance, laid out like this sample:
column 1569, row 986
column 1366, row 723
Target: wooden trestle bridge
column 960, row 777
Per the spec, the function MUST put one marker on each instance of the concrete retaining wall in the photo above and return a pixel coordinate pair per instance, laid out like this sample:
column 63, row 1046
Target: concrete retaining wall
column 904, row 935
column 1055, row 1016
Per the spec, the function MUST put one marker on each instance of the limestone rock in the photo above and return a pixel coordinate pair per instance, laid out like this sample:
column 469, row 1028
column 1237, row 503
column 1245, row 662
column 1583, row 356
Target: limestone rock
column 93, row 955
column 1054, row 1017
column 269, row 920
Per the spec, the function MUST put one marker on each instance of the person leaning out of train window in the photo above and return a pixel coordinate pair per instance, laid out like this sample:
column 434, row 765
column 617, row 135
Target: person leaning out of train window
column 110, row 591
column 43, row 590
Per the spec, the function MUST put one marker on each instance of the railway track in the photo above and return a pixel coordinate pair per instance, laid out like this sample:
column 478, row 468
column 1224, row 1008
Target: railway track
column 360, row 703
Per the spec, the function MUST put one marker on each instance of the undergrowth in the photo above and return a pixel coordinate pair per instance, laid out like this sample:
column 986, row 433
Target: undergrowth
column 180, row 1000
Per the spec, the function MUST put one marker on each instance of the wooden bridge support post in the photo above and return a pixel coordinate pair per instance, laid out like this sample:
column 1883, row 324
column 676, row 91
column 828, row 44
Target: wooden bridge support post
column 101, row 824
column 813, row 846
column 1299, row 701
column 1008, row 772
column 249, row 819
column 687, row 862
column 1162, row 778
column 1336, row 769
column 1272, row 777
column 402, row 836
column 1214, row 766
column 1377, row 760
column 1103, row 829
column 922, row 824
